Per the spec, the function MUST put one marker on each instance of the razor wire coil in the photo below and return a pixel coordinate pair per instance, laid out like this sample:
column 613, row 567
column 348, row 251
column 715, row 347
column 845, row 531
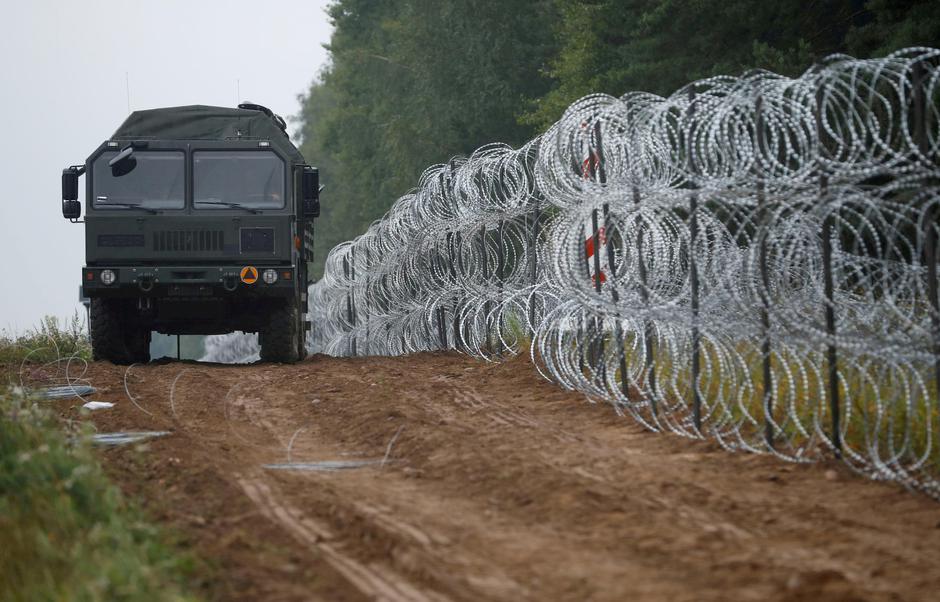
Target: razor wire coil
column 752, row 259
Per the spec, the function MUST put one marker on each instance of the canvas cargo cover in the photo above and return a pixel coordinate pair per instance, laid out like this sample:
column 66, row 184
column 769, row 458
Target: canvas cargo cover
column 201, row 122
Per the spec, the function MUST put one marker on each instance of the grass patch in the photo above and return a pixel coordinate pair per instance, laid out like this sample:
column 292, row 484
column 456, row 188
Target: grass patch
column 66, row 532
column 515, row 333
column 48, row 342
column 887, row 410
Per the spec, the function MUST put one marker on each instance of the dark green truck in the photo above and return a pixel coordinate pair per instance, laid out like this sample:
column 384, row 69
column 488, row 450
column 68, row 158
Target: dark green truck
column 199, row 220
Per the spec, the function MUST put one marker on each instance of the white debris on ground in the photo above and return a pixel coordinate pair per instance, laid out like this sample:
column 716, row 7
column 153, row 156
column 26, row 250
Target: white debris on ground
column 127, row 437
column 98, row 405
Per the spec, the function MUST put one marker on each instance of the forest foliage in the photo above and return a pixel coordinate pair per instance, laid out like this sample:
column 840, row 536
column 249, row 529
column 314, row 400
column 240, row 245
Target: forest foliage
column 412, row 83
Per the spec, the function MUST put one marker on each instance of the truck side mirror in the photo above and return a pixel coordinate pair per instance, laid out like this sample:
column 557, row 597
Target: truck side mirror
column 310, row 192
column 70, row 184
column 123, row 163
column 71, row 208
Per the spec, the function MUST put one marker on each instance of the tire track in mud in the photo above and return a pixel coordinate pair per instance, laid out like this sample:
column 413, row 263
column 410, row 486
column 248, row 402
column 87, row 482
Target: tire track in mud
column 499, row 486
column 373, row 581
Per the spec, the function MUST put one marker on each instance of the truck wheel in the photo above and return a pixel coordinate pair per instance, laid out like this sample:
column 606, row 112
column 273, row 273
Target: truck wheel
column 137, row 342
column 301, row 336
column 279, row 339
column 115, row 334
column 301, row 342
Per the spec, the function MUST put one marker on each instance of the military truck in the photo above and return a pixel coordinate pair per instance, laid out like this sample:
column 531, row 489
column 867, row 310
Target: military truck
column 199, row 220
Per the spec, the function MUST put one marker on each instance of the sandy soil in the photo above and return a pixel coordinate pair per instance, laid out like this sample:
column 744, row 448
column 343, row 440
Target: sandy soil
column 497, row 485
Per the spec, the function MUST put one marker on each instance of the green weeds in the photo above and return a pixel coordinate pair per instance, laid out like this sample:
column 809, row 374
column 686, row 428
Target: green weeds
column 66, row 532
column 48, row 342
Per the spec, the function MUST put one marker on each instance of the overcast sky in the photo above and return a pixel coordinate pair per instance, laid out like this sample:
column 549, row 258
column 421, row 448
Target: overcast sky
column 64, row 70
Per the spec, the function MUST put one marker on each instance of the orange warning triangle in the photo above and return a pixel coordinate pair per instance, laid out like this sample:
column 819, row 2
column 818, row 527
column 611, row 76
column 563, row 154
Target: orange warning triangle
column 249, row 274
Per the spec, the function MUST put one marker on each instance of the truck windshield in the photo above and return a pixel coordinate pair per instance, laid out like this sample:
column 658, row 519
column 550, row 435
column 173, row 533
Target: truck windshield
column 158, row 182
column 246, row 179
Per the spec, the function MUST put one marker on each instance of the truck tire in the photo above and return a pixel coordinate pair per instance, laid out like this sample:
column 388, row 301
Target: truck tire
column 137, row 342
column 301, row 333
column 115, row 334
column 280, row 338
column 301, row 339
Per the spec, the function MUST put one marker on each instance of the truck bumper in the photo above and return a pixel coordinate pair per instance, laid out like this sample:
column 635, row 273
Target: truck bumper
column 189, row 281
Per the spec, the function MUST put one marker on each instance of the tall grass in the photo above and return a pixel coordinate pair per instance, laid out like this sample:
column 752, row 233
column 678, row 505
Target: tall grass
column 47, row 342
column 67, row 533
column 888, row 411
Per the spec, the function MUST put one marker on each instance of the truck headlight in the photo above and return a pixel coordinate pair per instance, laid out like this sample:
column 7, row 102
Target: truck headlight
column 269, row 276
column 108, row 277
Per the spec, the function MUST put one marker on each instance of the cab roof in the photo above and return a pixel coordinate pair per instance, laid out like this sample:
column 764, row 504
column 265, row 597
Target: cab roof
column 201, row 122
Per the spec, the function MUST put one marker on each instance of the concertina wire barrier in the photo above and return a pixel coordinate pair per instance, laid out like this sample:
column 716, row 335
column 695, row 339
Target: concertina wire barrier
column 752, row 259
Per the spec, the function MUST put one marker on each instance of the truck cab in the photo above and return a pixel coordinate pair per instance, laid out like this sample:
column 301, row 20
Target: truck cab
column 198, row 220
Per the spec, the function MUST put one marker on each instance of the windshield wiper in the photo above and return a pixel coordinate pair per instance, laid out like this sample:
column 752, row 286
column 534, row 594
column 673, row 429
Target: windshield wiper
column 228, row 204
column 128, row 205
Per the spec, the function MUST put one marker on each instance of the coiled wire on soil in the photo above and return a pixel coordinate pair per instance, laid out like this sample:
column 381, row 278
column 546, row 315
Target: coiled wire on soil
column 752, row 259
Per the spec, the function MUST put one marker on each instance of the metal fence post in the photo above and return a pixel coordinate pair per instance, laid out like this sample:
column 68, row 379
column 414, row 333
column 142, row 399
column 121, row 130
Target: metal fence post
column 484, row 258
column 368, row 309
column 650, row 357
column 533, row 257
column 355, row 311
column 350, row 315
column 761, row 233
column 921, row 134
column 615, row 295
column 456, row 257
column 581, row 325
column 597, row 343
column 828, row 227
column 457, row 267
column 441, row 312
column 599, row 173
column 442, row 272
column 694, row 282
column 500, row 272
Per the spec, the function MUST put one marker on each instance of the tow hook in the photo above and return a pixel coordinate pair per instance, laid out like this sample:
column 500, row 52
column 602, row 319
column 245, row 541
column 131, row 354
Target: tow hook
column 229, row 282
column 145, row 283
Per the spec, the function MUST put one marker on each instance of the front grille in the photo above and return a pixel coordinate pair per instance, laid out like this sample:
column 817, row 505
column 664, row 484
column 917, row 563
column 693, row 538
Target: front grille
column 120, row 240
column 188, row 240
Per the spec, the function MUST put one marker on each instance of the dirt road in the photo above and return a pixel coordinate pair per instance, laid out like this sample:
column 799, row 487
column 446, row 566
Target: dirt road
column 496, row 485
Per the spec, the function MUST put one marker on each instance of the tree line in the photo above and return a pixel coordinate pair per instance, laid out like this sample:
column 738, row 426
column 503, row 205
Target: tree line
column 411, row 83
